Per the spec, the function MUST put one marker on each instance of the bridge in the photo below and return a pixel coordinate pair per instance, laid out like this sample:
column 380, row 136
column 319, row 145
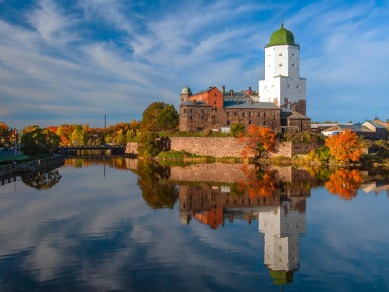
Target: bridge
column 113, row 149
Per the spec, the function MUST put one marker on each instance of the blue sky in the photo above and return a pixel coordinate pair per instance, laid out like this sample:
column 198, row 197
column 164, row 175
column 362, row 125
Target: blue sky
column 74, row 61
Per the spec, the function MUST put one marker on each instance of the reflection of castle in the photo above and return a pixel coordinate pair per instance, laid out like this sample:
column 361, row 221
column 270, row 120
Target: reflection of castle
column 212, row 204
column 281, row 215
column 282, row 226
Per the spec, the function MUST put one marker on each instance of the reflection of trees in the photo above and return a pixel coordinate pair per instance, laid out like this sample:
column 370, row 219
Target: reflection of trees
column 112, row 162
column 156, row 190
column 258, row 182
column 345, row 183
column 42, row 180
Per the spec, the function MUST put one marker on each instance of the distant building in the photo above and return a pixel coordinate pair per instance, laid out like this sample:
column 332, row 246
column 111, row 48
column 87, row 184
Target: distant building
column 369, row 130
column 280, row 105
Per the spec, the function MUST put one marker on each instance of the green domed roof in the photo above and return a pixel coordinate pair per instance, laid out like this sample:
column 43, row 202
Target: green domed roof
column 281, row 37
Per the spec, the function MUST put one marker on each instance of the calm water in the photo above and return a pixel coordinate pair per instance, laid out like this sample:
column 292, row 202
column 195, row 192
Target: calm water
column 120, row 225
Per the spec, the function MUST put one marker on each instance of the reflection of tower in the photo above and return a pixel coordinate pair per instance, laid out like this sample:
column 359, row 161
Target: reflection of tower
column 282, row 226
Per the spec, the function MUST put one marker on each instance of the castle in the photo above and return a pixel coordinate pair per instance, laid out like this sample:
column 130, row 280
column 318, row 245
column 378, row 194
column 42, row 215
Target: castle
column 279, row 105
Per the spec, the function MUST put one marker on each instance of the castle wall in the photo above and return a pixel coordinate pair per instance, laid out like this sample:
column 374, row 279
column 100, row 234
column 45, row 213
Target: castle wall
column 196, row 118
column 224, row 147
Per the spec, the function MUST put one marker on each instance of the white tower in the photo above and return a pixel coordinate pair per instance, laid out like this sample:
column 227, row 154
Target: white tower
column 282, row 84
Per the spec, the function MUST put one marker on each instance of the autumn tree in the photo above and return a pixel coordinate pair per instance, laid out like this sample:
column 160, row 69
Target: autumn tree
column 257, row 140
column 39, row 141
column 5, row 135
column 345, row 147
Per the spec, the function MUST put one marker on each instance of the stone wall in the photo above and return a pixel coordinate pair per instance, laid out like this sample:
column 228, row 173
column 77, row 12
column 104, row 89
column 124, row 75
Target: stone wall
column 208, row 146
column 224, row 147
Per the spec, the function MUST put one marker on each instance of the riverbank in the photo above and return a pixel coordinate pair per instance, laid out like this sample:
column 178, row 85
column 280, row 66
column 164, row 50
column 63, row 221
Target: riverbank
column 29, row 166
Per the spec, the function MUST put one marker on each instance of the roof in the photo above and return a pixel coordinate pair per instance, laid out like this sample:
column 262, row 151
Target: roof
column 194, row 102
column 293, row 116
column 204, row 91
column 377, row 125
column 351, row 127
column 186, row 90
column 281, row 37
column 249, row 105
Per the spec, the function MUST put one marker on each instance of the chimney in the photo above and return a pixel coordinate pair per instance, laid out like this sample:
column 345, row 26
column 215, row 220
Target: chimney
column 223, row 89
column 231, row 92
column 250, row 90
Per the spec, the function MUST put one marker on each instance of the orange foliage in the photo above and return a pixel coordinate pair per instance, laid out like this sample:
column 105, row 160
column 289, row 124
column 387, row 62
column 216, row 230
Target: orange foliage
column 345, row 147
column 344, row 183
column 258, row 183
column 258, row 140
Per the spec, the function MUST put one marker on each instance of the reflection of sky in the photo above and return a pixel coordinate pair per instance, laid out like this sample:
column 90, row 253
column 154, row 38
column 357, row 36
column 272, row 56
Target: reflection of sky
column 91, row 232
column 97, row 233
column 346, row 247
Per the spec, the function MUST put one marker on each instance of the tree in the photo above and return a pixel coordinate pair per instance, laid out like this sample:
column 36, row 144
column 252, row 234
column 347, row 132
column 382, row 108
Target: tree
column 258, row 140
column 5, row 135
column 39, row 142
column 167, row 118
column 159, row 116
column 236, row 129
column 149, row 144
column 345, row 147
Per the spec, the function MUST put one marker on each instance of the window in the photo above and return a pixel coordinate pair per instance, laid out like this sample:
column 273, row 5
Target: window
column 264, row 115
column 250, row 122
column 264, row 123
column 288, row 86
column 184, row 110
column 280, row 65
column 235, row 114
column 243, row 114
column 259, row 114
column 228, row 114
column 249, row 114
column 280, row 54
column 191, row 110
column 214, row 101
column 293, row 54
column 228, row 123
column 190, row 118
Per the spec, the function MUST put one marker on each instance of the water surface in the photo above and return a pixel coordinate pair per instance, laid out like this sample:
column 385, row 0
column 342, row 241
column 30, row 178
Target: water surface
column 116, row 224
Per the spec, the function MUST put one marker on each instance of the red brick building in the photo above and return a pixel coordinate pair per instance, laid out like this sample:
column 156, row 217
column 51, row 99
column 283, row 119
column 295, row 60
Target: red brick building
column 218, row 110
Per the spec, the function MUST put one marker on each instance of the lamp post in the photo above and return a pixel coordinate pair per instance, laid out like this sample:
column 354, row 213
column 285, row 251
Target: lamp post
column 15, row 144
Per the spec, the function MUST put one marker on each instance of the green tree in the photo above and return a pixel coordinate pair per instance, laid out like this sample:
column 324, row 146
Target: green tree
column 167, row 118
column 236, row 129
column 149, row 144
column 39, row 141
column 159, row 116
